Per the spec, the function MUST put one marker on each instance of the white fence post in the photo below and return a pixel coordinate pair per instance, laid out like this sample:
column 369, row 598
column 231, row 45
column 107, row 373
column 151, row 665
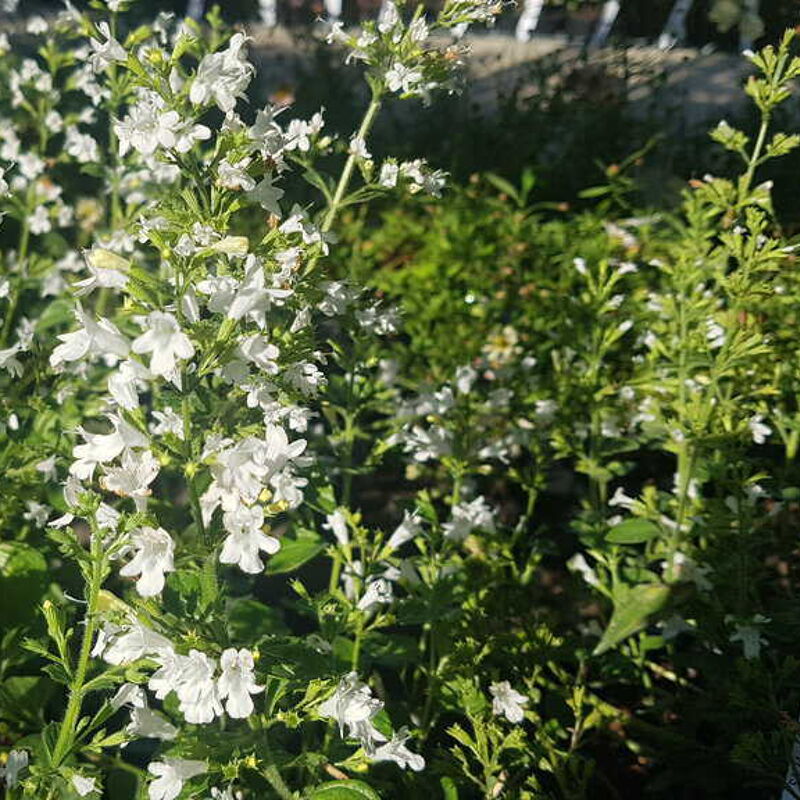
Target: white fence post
column 675, row 29
column 268, row 12
column 195, row 8
column 333, row 8
column 608, row 16
column 529, row 19
column 745, row 39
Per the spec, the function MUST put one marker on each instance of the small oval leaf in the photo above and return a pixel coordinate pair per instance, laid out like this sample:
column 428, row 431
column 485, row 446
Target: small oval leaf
column 632, row 531
column 344, row 790
column 293, row 554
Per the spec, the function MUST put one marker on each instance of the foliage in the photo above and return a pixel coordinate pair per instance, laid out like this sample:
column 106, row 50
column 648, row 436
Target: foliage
column 320, row 483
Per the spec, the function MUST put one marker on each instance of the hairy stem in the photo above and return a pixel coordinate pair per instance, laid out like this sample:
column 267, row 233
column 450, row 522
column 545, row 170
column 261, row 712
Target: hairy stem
column 66, row 734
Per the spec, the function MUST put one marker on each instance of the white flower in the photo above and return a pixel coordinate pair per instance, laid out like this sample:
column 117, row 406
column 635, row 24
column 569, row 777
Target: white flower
column 133, row 478
column 506, row 701
column 36, row 25
column 389, row 174
column 377, row 592
column 758, row 429
column 578, row 563
column 84, row 786
column 222, row 77
column 148, row 724
column 16, row 762
column 715, row 334
column 235, row 176
column 389, row 17
column 245, row 539
column 252, row 296
column 403, row 79
column 750, row 636
column 261, row 352
column 166, row 341
column 242, row 470
column 427, row 444
column 467, row 517
column 30, row 165
column 197, row 690
column 621, row 499
column 39, row 221
column 395, row 750
column 167, row 677
column 338, row 296
column 147, row 127
column 336, row 523
column 48, row 468
column 154, row 556
column 267, row 195
column 237, row 682
column 171, row 774
column 125, row 645
column 407, row 530
column 353, row 707
column 105, row 53
column 298, row 222
column 418, row 30
column 299, row 133
column 10, row 362
column 225, row 794
column 358, row 148
column 465, row 377
column 36, row 513
column 288, row 488
column 93, row 338
column 129, row 694
column 107, row 270
column 124, row 383
column 100, row 448
column 167, row 421
column 81, row 146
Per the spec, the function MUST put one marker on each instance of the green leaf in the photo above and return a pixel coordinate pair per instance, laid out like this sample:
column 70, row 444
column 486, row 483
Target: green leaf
column 22, row 697
column 23, row 577
column 632, row 531
column 449, row 790
column 293, row 554
column 248, row 619
column 632, row 613
column 344, row 790
column 504, row 186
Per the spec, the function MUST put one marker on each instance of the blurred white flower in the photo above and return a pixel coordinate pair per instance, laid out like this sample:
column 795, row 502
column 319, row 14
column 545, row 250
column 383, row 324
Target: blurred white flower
column 508, row 702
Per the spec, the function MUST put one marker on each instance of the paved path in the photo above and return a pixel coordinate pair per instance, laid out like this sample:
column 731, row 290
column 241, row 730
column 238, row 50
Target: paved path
column 699, row 87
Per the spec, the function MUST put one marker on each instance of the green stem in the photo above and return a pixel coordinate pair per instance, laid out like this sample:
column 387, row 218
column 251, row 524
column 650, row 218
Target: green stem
column 273, row 775
column 433, row 679
column 755, row 157
column 347, row 173
column 686, row 455
column 22, row 255
column 66, row 734
column 347, row 470
column 357, row 646
column 194, row 498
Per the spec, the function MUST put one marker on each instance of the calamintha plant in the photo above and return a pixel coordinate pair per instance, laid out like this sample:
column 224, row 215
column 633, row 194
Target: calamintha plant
column 474, row 528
